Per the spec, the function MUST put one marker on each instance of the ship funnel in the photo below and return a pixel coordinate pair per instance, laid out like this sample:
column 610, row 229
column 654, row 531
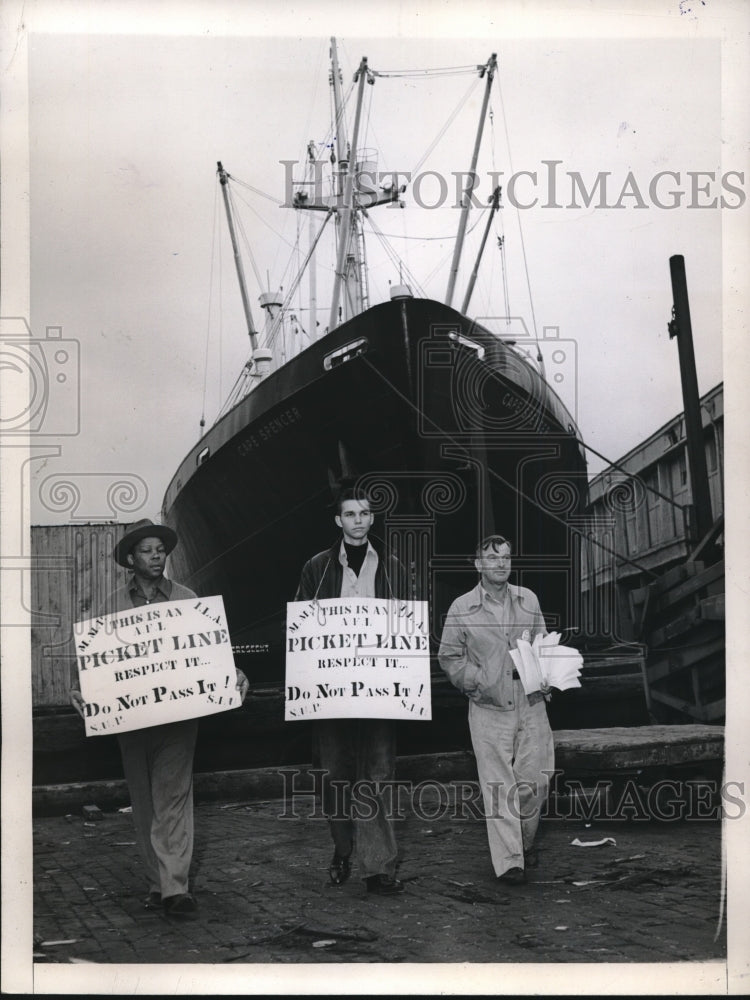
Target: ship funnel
column 262, row 358
column 270, row 302
column 401, row 292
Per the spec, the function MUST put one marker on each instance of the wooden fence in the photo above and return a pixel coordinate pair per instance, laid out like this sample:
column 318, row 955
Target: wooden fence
column 72, row 571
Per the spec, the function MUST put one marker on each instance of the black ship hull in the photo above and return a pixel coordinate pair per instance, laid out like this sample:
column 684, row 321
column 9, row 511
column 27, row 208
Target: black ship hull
column 454, row 434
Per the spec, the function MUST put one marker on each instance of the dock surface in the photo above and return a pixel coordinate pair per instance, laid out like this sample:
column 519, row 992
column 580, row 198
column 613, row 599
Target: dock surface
column 260, row 878
column 652, row 892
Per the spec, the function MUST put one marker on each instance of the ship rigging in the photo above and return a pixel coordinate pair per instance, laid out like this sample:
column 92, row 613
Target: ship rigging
column 347, row 196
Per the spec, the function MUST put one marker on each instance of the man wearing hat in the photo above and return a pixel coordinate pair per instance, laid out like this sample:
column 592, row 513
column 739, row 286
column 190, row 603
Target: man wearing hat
column 158, row 760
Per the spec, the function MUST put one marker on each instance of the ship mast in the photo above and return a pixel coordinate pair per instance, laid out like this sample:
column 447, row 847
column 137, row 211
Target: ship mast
column 313, row 278
column 347, row 200
column 339, row 125
column 252, row 333
column 347, row 219
column 489, row 69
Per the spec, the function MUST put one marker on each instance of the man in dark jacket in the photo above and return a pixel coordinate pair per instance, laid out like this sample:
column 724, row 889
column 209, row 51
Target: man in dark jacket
column 356, row 750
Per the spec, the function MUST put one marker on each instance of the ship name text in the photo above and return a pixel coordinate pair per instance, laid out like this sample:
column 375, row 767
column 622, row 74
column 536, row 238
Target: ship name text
column 268, row 431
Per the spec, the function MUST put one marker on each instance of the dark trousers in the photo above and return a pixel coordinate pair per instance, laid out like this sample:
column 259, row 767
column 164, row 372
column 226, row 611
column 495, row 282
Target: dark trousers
column 357, row 754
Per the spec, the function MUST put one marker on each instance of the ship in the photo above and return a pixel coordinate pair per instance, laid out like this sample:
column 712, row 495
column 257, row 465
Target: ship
column 448, row 423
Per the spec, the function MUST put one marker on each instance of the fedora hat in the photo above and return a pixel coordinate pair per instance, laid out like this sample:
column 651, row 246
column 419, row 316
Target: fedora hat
column 139, row 530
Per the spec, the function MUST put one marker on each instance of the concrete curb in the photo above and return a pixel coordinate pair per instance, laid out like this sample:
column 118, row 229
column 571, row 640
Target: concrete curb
column 236, row 786
column 589, row 752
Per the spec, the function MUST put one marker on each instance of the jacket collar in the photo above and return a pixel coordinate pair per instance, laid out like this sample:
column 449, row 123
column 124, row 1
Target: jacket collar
column 340, row 550
column 163, row 586
column 476, row 596
column 373, row 542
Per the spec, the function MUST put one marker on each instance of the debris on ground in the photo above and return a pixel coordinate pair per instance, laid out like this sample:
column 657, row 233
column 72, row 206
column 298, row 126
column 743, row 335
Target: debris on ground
column 594, row 843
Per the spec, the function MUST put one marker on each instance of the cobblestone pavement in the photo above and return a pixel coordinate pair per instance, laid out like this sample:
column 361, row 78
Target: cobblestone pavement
column 262, row 889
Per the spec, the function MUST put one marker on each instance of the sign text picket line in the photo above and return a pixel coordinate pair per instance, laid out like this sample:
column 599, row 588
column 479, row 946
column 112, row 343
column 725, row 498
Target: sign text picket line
column 155, row 664
column 357, row 658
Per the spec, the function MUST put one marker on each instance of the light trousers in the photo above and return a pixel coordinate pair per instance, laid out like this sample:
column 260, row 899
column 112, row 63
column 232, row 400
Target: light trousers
column 515, row 756
column 158, row 764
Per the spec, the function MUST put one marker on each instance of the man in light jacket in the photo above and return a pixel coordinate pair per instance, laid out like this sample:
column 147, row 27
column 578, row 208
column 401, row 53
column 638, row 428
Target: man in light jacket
column 510, row 731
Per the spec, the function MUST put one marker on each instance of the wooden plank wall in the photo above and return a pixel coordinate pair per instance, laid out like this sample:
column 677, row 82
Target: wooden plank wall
column 72, row 571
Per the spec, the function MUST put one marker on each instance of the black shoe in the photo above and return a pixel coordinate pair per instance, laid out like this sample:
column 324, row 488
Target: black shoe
column 384, row 885
column 513, row 876
column 152, row 901
column 339, row 870
column 531, row 858
column 182, row 906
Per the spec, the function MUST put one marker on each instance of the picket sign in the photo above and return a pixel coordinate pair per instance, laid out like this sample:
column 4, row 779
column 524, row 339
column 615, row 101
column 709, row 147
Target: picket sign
column 357, row 658
column 158, row 663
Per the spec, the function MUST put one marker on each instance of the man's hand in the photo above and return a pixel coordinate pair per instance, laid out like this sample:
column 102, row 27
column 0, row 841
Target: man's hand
column 242, row 685
column 77, row 702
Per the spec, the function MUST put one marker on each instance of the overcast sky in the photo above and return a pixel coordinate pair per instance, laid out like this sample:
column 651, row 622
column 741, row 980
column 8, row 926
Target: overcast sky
column 130, row 258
